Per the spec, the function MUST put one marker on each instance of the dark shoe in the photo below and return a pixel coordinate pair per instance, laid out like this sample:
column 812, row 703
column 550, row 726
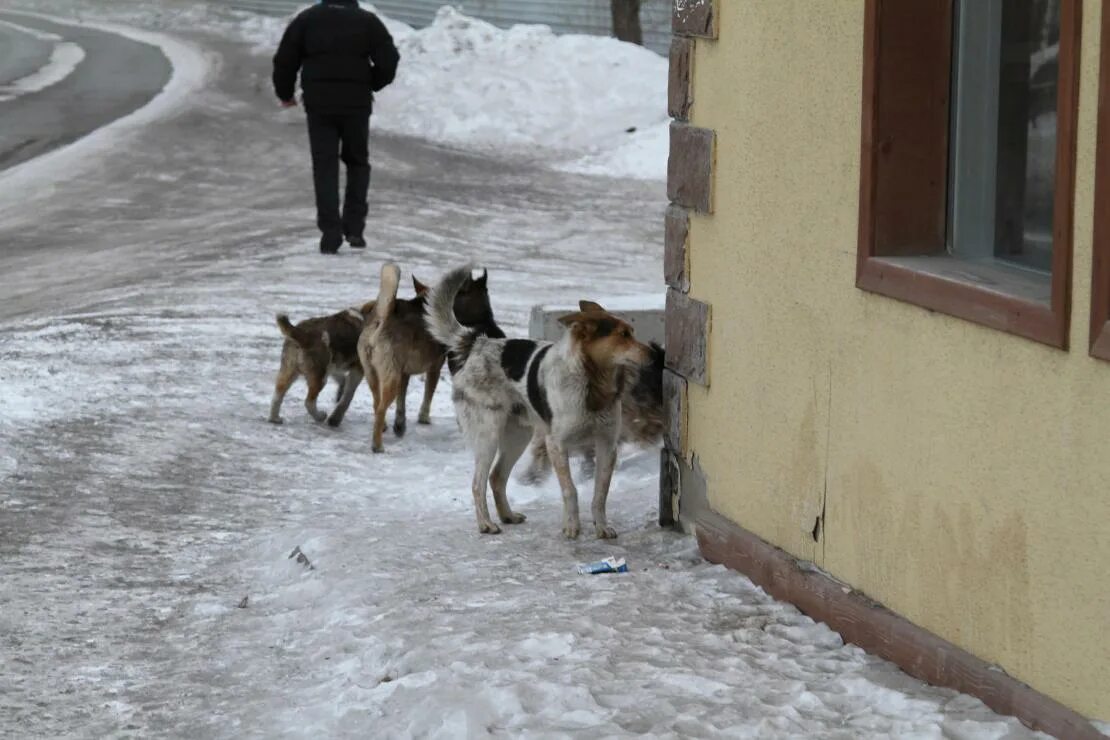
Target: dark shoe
column 356, row 241
column 330, row 243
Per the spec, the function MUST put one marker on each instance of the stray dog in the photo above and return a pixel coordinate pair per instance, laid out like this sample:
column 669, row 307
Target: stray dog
column 641, row 418
column 395, row 344
column 318, row 348
column 571, row 390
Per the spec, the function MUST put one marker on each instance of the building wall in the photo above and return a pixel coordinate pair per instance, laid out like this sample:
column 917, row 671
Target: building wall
column 564, row 16
column 962, row 471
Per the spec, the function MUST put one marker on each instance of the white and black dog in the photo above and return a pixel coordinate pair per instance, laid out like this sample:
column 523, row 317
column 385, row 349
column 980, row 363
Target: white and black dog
column 571, row 390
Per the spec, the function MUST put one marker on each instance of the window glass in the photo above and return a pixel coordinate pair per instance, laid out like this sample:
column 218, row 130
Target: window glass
column 1003, row 142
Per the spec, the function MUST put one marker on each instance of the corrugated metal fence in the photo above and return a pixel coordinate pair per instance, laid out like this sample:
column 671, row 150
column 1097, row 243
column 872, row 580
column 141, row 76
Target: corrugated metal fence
column 564, row 16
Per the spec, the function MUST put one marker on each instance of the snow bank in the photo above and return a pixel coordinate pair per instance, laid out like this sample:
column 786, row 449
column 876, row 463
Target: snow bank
column 568, row 99
column 468, row 83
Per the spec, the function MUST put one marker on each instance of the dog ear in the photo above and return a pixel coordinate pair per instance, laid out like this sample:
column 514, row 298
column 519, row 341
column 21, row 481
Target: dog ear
column 419, row 287
column 481, row 282
column 590, row 306
column 572, row 318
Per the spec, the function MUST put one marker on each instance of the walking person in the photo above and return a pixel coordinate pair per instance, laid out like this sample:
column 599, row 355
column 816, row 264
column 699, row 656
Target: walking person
column 344, row 55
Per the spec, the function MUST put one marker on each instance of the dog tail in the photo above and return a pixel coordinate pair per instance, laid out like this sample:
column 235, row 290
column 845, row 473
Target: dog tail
column 440, row 313
column 301, row 338
column 387, row 293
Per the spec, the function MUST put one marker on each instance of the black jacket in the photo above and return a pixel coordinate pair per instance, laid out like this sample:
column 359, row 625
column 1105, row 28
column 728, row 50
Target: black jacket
column 344, row 55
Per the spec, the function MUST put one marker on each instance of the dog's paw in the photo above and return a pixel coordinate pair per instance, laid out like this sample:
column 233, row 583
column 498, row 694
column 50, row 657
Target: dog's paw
column 320, row 416
column 571, row 530
column 399, row 429
column 513, row 518
column 424, row 419
column 378, row 449
column 334, row 421
column 489, row 528
column 276, row 420
column 605, row 533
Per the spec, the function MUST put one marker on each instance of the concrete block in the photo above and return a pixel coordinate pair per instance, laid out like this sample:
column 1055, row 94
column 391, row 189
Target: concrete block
column 643, row 312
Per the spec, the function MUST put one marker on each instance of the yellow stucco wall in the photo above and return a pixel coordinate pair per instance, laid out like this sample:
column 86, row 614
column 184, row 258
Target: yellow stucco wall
column 966, row 470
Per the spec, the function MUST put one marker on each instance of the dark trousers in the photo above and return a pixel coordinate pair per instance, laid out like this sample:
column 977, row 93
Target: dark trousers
column 335, row 136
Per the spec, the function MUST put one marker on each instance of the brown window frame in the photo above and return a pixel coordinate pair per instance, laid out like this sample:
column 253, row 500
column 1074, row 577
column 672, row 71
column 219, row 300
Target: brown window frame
column 1100, row 267
column 906, row 91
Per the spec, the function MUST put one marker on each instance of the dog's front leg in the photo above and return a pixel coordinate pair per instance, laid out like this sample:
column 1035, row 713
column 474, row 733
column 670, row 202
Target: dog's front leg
column 606, row 461
column 400, row 415
column 350, row 386
column 561, row 462
column 431, row 380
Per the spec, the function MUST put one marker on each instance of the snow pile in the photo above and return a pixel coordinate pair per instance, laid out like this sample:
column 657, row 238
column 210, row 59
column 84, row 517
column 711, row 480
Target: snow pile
column 584, row 103
column 467, row 83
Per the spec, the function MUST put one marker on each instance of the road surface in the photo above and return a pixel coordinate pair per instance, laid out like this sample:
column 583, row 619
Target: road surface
column 21, row 53
column 116, row 77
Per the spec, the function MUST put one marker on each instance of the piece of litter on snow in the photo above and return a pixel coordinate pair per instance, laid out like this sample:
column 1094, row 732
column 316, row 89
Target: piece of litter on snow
column 608, row 565
column 244, row 602
column 301, row 558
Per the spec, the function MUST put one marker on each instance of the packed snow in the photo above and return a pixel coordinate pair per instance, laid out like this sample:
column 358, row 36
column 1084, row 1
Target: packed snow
column 642, row 154
column 175, row 566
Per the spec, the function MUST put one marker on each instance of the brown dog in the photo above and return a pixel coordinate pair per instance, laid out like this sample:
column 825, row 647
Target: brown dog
column 318, row 348
column 641, row 418
column 395, row 344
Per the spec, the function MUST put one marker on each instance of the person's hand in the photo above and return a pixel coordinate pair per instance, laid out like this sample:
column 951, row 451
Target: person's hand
column 289, row 103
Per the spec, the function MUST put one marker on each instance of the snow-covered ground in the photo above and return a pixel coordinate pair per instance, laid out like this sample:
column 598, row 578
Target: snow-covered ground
column 148, row 512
